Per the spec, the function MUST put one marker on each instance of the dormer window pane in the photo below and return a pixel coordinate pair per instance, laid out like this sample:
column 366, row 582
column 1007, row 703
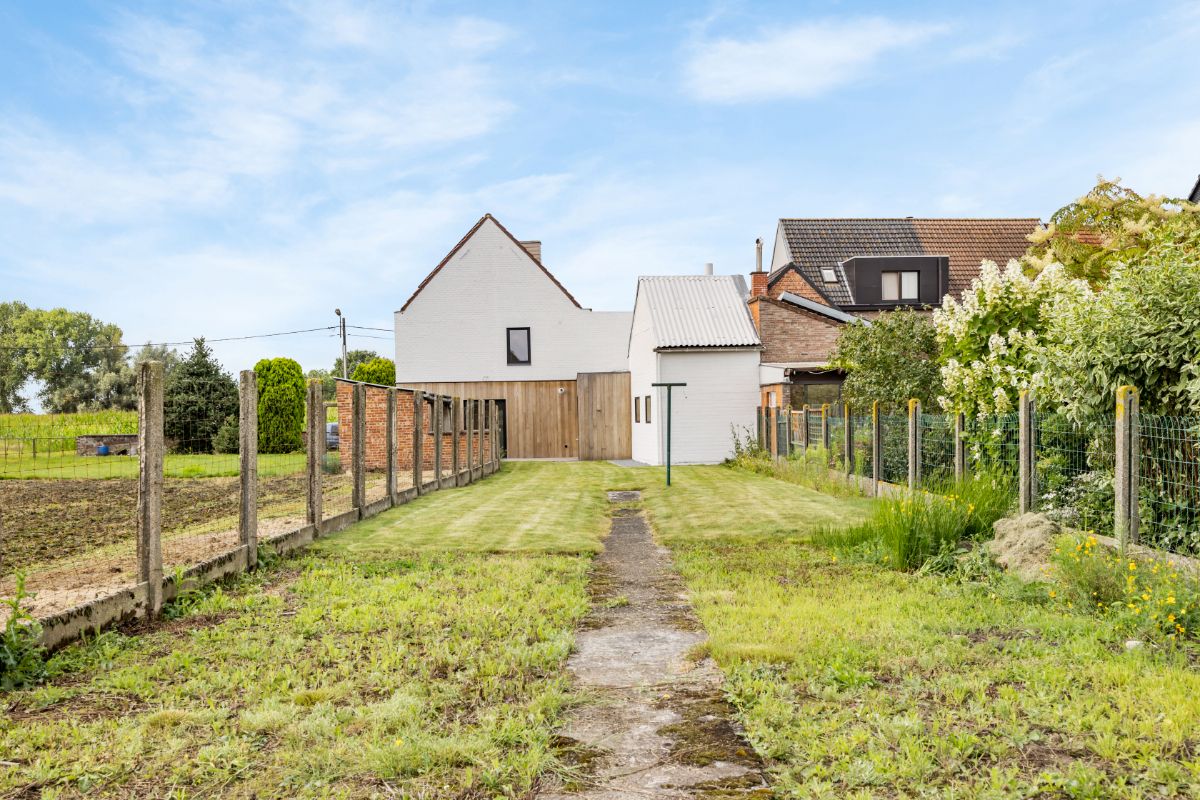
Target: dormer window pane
column 908, row 286
column 897, row 286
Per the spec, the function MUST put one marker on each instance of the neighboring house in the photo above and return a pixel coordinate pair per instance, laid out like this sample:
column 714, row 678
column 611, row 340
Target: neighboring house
column 490, row 321
column 827, row 273
column 692, row 329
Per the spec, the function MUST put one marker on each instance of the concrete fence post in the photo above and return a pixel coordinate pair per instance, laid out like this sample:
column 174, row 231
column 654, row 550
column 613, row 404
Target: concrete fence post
column 876, row 449
column 418, row 428
column 358, row 465
column 804, row 428
column 1025, row 471
column 391, row 445
column 439, row 412
column 825, row 434
column 472, row 411
column 495, row 439
column 456, row 439
column 1126, row 516
column 960, row 446
column 316, row 453
column 848, row 439
column 478, row 439
column 914, row 444
column 248, row 473
column 758, row 428
column 785, row 424
column 485, row 434
column 150, row 482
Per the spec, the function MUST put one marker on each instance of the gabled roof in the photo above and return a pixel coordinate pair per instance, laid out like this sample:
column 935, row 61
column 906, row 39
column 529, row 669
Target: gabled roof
column 698, row 311
column 814, row 244
column 467, row 238
column 1195, row 195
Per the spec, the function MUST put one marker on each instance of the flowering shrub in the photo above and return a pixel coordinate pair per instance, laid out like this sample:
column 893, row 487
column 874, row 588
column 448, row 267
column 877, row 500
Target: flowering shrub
column 993, row 343
column 1153, row 598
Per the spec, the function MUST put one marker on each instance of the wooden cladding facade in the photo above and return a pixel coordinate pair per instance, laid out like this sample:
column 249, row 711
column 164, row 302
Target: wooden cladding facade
column 605, row 430
column 542, row 418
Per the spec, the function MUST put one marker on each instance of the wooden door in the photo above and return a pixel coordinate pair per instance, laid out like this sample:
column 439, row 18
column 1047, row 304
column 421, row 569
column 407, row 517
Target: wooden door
column 605, row 429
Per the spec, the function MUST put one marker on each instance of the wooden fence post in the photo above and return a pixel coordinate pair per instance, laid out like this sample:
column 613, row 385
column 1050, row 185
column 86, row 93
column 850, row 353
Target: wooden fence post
column 316, row 454
column 960, row 446
column 876, row 450
column 248, row 473
column 1126, row 518
column 418, row 427
column 1025, row 474
column 914, row 444
column 391, row 445
column 848, row 439
column 150, row 482
column 358, row 464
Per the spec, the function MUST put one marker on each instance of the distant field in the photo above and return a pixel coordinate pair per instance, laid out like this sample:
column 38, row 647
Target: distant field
column 69, row 465
column 56, row 432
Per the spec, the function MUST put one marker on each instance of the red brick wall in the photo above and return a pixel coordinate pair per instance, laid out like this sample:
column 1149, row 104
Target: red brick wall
column 792, row 282
column 792, row 334
column 376, row 431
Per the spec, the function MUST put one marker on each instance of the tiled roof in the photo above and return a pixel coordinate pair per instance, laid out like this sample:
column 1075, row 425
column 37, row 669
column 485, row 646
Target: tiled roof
column 699, row 311
column 817, row 243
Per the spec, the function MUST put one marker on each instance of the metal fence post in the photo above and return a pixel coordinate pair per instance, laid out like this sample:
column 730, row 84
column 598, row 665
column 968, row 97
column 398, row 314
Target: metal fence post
column 876, row 449
column 248, row 449
column 316, row 452
column 1126, row 521
column 150, row 482
column 848, row 438
column 960, row 447
column 358, row 465
column 914, row 444
column 418, row 433
column 1025, row 452
column 391, row 445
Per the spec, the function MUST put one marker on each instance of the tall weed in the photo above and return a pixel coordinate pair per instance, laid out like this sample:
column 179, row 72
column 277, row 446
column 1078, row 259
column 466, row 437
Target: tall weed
column 22, row 657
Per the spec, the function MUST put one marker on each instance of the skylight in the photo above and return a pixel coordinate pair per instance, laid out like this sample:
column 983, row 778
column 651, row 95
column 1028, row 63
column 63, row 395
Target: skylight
column 828, row 275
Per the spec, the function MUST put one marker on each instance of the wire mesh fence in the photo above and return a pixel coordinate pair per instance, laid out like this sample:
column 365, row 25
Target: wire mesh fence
column 993, row 443
column 813, row 421
column 864, row 451
column 937, row 449
column 1073, row 465
column 837, row 438
column 893, row 434
column 1169, row 482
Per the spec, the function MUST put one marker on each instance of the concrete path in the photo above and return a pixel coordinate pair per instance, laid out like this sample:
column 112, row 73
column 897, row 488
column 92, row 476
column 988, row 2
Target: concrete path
column 657, row 725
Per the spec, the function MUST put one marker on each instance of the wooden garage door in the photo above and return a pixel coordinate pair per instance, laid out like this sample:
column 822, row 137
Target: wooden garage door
column 604, row 416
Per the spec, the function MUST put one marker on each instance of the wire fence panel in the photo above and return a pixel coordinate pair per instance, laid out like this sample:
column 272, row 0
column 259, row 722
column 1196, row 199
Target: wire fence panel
column 814, row 428
column 837, row 440
column 864, row 452
column 993, row 444
column 1169, row 482
column 68, row 506
column 1073, row 468
column 937, row 449
column 893, row 431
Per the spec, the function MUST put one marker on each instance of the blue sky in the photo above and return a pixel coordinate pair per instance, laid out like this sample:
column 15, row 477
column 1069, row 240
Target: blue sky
column 231, row 168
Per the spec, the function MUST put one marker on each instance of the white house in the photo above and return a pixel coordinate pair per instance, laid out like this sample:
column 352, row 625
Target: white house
column 490, row 321
column 693, row 329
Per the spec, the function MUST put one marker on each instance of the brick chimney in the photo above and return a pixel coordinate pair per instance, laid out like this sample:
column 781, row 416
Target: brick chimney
column 534, row 248
column 758, row 278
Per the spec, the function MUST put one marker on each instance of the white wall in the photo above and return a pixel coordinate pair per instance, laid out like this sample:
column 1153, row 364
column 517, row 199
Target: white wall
column 722, row 391
column 454, row 330
column 643, row 371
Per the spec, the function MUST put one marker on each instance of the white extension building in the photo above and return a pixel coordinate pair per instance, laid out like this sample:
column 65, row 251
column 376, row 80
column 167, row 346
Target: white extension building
column 693, row 329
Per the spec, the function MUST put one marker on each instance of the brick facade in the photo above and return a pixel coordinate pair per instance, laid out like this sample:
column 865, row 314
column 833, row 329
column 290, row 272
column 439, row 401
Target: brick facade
column 793, row 335
column 376, row 431
column 792, row 282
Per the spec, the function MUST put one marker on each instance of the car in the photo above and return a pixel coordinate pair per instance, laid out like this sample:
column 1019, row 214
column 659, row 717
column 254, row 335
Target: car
column 331, row 436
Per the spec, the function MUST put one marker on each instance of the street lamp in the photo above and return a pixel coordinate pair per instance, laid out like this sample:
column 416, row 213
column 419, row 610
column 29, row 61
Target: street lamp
column 342, row 325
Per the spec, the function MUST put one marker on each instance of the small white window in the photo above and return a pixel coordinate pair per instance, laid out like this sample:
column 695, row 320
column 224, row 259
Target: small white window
column 898, row 286
column 828, row 274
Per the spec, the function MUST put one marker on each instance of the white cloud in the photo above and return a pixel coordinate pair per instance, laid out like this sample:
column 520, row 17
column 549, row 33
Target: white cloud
column 802, row 61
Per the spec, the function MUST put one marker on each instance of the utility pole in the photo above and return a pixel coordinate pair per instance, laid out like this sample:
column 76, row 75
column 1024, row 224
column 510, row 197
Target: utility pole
column 342, row 326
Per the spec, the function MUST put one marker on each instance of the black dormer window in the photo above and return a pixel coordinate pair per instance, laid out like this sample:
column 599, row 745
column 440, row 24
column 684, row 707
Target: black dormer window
column 898, row 286
column 518, row 346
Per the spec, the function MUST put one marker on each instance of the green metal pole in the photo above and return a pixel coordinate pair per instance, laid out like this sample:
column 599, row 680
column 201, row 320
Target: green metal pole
column 668, row 436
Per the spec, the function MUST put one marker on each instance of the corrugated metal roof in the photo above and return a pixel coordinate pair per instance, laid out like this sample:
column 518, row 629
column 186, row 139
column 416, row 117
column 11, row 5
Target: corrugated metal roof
column 698, row 311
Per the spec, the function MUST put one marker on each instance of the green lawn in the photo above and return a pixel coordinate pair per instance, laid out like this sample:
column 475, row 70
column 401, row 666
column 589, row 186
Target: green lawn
column 555, row 507
column 860, row 682
column 405, row 657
